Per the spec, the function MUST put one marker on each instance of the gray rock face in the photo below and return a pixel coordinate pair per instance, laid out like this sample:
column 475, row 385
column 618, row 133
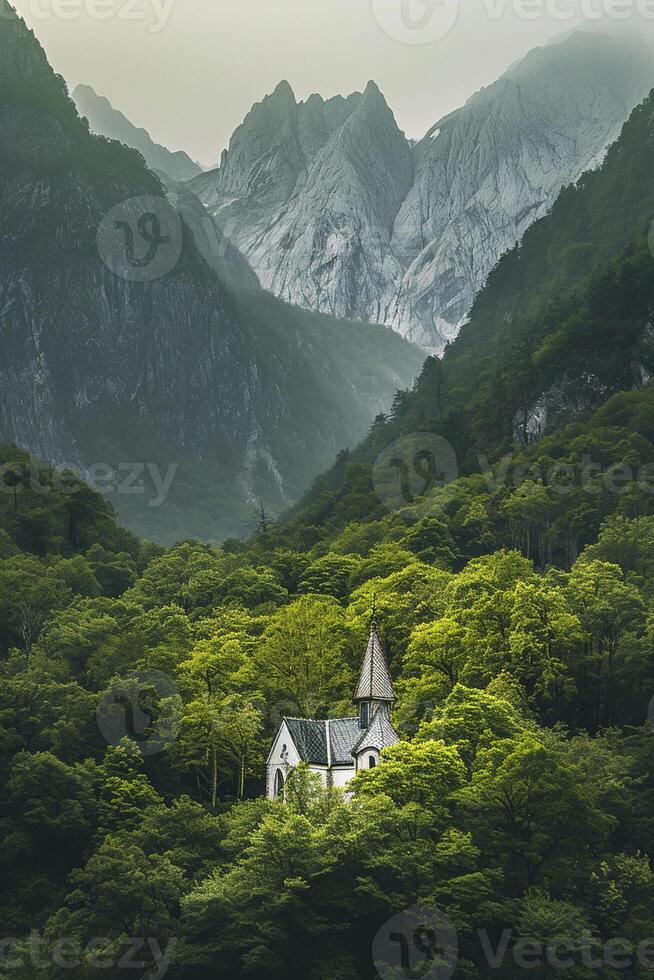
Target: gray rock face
column 336, row 211
column 107, row 121
column 328, row 248
column 487, row 172
column 198, row 368
column 575, row 395
column 216, row 249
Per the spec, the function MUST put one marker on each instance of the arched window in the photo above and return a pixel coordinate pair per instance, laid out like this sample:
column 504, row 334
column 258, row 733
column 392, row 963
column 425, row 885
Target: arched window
column 372, row 762
column 279, row 784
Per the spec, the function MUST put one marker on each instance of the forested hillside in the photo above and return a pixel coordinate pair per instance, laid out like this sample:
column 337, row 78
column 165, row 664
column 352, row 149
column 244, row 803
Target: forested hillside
column 141, row 690
column 563, row 323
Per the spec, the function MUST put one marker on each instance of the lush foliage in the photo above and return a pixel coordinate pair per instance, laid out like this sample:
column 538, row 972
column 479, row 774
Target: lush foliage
column 519, row 797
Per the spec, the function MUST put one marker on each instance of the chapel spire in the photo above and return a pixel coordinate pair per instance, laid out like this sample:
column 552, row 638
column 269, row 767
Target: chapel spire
column 375, row 685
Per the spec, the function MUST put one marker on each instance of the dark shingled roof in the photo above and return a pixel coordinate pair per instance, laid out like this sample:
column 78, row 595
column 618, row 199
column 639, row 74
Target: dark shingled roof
column 344, row 733
column 374, row 680
column 379, row 735
column 310, row 739
column 345, row 738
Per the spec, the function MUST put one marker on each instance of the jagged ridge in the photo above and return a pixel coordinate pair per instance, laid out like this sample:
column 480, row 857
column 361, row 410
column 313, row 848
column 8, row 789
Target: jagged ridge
column 337, row 212
column 248, row 396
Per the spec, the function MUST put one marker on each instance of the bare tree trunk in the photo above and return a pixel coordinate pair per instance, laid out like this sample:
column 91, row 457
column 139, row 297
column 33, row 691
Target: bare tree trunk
column 214, row 777
column 31, row 620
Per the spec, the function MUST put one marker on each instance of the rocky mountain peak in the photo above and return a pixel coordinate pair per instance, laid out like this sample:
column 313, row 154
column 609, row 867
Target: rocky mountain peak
column 277, row 108
column 372, row 92
column 372, row 105
column 283, row 93
column 358, row 221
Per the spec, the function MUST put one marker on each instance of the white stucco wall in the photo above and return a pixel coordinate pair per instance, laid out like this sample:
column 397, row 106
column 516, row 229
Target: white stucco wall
column 282, row 749
column 363, row 758
column 340, row 777
column 321, row 771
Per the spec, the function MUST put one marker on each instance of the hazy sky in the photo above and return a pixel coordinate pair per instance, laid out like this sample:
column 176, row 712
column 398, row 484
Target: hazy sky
column 189, row 70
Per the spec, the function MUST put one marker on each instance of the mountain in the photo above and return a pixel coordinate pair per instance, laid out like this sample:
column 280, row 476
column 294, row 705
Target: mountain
column 107, row 121
column 217, row 250
column 336, row 211
column 309, row 194
column 554, row 367
column 485, row 173
column 130, row 369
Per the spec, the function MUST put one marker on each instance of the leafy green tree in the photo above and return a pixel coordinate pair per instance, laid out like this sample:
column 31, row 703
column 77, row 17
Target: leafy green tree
column 241, row 725
column 41, row 714
column 124, row 791
column 29, row 591
column 301, row 659
column 121, row 893
column 329, row 576
column 218, row 723
column 471, row 720
column 252, row 587
column 423, row 773
column 608, row 609
column 534, row 811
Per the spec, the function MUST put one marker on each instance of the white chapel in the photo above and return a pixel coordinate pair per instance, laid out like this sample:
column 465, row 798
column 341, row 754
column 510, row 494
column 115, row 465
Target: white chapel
column 337, row 748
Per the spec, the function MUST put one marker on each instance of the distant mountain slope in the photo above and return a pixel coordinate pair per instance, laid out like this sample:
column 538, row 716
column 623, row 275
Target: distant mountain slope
column 564, row 324
column 337, row 211
column 217, row 250
column 485, row 173
column 107, row 121
column 246, row 397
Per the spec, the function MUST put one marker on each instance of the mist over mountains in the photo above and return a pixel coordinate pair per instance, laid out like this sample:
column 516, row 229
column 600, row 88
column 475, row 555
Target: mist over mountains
column 107, row 121
column 336, row 211
column 245, row 397
column 248, row 396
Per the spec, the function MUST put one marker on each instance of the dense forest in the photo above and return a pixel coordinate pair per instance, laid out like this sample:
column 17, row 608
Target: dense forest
column 142, row 687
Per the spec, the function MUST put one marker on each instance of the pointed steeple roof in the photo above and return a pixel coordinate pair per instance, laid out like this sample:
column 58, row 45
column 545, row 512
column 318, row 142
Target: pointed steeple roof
column 375, row 682
column 379, row 735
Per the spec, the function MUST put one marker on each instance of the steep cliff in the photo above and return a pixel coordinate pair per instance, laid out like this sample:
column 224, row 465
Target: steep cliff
column 564, row 324
column 112, row 362
column 337, row 212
